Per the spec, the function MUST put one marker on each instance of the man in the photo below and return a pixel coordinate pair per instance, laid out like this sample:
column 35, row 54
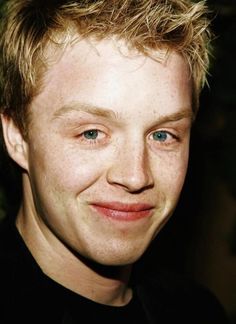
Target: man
column 97, row 102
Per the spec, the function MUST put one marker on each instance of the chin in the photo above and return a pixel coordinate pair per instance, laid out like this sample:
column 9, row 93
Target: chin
column 119, row 262
column 119, row 258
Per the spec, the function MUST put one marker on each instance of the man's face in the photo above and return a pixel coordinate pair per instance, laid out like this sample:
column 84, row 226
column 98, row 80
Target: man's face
column 108, row 149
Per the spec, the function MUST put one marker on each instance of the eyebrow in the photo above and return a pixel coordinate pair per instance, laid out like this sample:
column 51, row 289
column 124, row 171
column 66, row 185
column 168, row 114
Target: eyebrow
column 184, row 113
column 110, row 114
column 88, row 108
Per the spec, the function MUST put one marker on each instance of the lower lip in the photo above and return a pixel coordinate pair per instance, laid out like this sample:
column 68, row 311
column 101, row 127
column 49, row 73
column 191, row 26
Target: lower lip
column 122, row 215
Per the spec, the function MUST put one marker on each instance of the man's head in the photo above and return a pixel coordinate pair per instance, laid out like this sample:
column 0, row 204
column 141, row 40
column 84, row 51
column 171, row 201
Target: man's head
column 99, row 119
column 31, row 27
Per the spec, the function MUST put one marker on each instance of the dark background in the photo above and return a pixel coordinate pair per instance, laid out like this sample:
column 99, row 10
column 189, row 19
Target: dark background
column 200, row 238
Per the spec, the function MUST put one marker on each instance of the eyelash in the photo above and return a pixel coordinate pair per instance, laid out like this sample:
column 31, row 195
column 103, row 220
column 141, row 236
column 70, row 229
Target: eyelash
column 102, row 138
column 92, row 141
column 166, row 141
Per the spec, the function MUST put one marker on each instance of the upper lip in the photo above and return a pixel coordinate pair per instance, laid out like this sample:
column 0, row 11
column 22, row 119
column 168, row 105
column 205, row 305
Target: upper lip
column 124, row 207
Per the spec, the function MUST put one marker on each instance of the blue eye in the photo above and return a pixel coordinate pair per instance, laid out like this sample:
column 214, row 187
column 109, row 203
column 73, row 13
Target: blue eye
column 91, row 134
column 160, row 136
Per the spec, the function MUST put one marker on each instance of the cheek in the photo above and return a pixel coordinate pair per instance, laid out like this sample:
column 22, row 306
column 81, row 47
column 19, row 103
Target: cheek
column 66, row 170
column 171, row 171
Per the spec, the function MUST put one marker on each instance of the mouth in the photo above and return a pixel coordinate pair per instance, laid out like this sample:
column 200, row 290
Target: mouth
column 123, row 212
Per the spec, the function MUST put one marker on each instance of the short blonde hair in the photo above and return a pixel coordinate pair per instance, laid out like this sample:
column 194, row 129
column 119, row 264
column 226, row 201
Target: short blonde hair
column 28, row 26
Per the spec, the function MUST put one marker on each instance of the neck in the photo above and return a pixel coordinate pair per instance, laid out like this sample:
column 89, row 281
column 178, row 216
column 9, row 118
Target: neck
column 101, row 283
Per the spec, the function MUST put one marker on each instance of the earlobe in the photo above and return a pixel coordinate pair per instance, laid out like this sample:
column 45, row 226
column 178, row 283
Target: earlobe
column 16, row 146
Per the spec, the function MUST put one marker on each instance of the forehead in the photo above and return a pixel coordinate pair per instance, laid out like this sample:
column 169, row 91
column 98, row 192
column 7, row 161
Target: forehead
column 109, row 74
column 108, row 51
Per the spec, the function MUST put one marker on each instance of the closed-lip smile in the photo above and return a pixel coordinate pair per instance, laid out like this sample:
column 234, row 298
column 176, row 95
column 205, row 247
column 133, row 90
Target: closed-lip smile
column 123, row 211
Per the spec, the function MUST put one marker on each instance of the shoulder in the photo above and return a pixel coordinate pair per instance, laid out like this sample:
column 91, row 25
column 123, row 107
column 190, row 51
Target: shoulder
column 9, row 239
column 18, row 270
column 7, row 242
column 23, row 285
column 172, row 297
column 9, row 255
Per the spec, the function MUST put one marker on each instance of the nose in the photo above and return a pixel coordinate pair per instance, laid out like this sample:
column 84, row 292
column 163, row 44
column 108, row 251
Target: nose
column 131, row 168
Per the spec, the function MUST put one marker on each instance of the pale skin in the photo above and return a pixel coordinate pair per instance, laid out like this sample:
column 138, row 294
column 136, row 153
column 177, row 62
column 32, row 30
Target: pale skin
column 106, row 128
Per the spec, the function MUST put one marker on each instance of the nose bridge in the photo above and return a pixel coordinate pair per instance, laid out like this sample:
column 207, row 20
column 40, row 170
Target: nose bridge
column 131, row 168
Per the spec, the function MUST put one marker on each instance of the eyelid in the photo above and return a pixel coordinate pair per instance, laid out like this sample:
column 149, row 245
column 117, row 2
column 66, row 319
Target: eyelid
column 164, row 131
column 81, row 128
column 102, row 139
column 173, row 139
column 172, row 126
column 171, row 132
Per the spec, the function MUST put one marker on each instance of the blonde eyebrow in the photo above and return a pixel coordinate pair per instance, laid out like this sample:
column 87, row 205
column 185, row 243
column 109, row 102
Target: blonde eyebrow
column 110, row 114
column 88, row 108
column 185, row 113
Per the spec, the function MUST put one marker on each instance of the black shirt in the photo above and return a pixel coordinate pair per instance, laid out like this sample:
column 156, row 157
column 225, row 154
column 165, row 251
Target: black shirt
column 29, row 296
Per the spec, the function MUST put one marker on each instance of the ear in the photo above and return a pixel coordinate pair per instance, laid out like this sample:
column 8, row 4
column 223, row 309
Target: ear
column 16, row 146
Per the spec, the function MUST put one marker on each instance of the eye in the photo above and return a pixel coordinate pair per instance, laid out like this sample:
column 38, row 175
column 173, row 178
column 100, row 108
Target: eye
column 91, row 134
column 160, row 136
column 163, row 139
